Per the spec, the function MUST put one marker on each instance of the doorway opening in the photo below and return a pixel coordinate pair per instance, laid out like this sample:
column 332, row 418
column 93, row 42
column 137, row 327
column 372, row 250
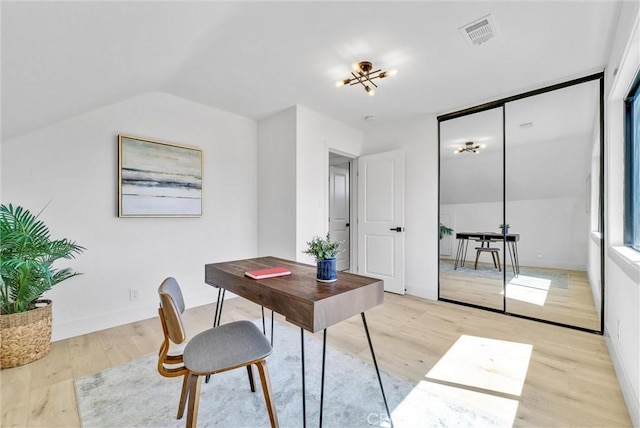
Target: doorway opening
column 340, row 207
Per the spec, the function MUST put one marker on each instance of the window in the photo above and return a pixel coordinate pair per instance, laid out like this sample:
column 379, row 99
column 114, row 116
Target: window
column 632, row 167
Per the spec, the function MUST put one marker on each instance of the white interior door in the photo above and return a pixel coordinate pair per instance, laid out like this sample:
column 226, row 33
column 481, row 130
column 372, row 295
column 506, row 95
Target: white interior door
column 381, row 218
column 339, row 212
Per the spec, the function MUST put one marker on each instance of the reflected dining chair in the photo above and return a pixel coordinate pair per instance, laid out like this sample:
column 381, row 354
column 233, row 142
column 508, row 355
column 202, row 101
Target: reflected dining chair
column 215, row 350
column 495, row 254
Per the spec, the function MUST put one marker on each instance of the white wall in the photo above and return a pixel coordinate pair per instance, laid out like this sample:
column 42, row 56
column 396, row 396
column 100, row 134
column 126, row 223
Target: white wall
column 294, row 184
column 622, row 265
column 552, row 231
column 419, row 139
column 277, row 185
column 73, row 164
column 316, row 136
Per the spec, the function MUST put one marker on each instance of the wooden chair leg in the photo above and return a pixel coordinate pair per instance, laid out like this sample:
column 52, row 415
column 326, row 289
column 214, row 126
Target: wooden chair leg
column 475, row 266
column 183, row 396
column 194, row 400
column 251, row 382
column 268, row 394
column 493, row 257
column 498, row 259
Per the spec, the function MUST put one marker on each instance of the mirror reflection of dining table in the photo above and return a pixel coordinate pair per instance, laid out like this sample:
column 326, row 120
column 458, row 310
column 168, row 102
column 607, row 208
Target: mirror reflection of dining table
column 511, row 240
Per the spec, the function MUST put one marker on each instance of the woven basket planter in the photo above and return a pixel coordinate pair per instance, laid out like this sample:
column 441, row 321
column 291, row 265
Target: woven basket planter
column 25, row 336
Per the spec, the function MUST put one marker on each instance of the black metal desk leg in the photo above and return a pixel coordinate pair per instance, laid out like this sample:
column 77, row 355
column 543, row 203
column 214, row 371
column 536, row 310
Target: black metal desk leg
column 219, row 303
column 324, row 353
column 218, row 307
column 264, row 329
column 464, row 252
column 304, row 401
column 458, row 254
column 216, row 322
column 375, row 364
column 513, row 262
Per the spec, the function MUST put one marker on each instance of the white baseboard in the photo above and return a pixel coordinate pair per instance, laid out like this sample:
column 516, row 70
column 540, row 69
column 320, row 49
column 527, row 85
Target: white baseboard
column 78, row 327
column 423, row 292
column 630, row 396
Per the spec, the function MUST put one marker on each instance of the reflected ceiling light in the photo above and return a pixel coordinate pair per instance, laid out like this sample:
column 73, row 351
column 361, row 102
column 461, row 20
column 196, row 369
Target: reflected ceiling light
column 363, row 75
column 469, row 147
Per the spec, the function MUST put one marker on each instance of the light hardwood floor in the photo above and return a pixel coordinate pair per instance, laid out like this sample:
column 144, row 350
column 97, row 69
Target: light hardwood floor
column 568, row 382
column 572, row 305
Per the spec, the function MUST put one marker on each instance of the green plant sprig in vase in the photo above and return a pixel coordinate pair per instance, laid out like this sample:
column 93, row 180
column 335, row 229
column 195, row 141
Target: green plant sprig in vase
column 324, row 251
column 322, row 248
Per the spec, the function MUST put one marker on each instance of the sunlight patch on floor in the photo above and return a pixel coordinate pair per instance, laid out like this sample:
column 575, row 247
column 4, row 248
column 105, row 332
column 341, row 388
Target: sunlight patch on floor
column 489, row 364
column 479, row 379
column 528, row 289
column 471, row 408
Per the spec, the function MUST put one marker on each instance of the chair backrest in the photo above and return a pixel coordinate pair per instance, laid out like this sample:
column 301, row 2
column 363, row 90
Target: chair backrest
column 171, row 309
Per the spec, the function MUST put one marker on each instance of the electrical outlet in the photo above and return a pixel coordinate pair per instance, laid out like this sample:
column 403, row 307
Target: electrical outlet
column 134, row 294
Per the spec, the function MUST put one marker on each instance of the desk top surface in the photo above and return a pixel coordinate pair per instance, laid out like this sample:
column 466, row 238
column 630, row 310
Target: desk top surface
column 304, row 301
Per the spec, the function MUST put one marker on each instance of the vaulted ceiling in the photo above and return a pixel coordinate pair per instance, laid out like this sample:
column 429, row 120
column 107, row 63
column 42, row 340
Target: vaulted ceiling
column 61, row 59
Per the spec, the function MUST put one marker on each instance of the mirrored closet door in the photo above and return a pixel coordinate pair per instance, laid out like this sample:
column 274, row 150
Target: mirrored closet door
column 552, row 155
column 521, row 205
column 472, row 204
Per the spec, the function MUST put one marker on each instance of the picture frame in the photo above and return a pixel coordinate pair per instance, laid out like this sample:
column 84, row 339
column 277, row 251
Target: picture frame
column 158, row 179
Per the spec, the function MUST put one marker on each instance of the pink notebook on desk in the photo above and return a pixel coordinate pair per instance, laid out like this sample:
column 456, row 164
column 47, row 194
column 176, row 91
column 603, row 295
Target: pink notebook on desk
column 268, row 273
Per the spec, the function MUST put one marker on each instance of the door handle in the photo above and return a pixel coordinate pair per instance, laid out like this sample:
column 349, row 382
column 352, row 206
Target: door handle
column 396, row 229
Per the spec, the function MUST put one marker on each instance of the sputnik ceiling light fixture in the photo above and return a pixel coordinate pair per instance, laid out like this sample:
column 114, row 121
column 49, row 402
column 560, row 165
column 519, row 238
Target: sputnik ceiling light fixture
column 363, row 75
column 468, row 147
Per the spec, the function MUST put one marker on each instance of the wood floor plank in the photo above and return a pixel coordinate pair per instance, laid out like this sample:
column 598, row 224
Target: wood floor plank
column 54, row 405
column 14, row 397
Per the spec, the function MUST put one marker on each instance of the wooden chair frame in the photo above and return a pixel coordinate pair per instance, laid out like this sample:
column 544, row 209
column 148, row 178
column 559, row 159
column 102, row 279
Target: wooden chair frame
column 495, row 255
column 191, row 380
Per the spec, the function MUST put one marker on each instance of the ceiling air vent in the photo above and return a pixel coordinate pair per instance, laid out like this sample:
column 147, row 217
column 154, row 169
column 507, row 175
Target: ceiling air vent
column 479, row 31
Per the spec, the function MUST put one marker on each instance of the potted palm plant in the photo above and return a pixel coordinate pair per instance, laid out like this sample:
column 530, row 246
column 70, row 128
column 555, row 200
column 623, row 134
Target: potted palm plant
column 324, row 252
column 27, row 254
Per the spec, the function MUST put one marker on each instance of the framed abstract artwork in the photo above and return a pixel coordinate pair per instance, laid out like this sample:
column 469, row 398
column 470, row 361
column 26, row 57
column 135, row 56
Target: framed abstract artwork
column 157, row 179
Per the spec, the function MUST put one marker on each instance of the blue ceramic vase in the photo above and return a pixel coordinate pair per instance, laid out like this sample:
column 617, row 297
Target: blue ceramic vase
column 327, row 270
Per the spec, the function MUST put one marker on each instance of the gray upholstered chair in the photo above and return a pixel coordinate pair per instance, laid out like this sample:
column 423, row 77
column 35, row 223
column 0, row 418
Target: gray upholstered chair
column 229, row 346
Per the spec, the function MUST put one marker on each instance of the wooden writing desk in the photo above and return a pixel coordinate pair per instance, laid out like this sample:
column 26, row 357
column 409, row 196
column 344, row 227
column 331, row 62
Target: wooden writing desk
column 511, row 241
column 305, row 302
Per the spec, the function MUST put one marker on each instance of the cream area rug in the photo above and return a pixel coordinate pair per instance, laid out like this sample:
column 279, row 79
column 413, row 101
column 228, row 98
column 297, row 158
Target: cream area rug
column 133, row 394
